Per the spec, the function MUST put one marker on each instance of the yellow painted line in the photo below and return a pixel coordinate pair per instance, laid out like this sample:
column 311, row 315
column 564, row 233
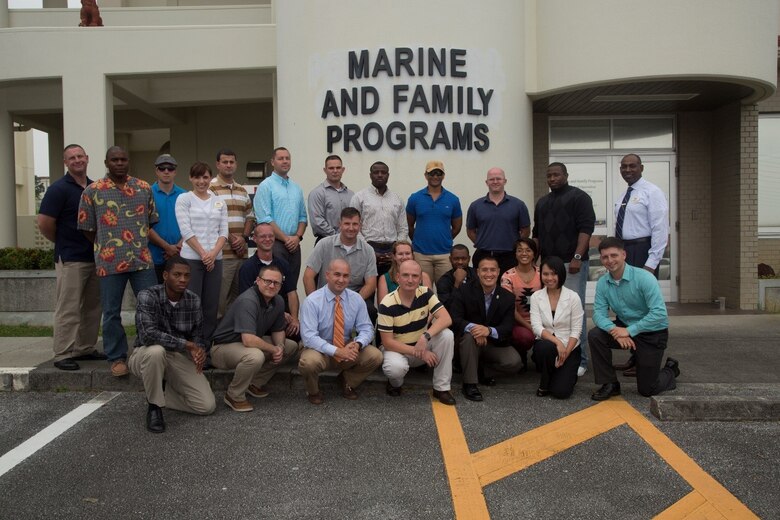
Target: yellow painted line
column 693, row 505
column 515, row 454
column 718, row 496
column 468, row 502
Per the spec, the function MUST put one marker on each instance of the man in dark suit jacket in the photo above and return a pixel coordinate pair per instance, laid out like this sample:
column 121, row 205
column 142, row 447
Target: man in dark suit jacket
column 483, row 314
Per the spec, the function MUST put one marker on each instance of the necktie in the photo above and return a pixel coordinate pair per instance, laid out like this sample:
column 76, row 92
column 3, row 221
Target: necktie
column 622, row 214
column 338, row 324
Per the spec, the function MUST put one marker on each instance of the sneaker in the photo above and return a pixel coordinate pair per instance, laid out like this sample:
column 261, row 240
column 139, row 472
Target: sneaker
column 238, row 406
column 119, row 368
column 258, row 391
column 581, row 371
column 393, row 391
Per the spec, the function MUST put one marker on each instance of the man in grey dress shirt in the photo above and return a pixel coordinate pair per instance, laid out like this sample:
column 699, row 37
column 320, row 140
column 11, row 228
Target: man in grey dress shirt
column 383, row 216
column 327, row 200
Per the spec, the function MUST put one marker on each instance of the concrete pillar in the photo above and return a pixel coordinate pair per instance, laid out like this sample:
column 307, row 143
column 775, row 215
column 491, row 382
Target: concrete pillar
column 56, row 144
column 4, row 22
column 88, row 116
column 7, row 175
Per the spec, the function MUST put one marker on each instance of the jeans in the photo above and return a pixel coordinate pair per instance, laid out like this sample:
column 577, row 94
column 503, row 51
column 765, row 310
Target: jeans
column 112, row 289
column 579, row 284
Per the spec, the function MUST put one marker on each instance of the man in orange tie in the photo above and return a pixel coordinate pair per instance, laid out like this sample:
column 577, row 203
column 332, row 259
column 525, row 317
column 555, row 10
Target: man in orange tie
column 329, row 316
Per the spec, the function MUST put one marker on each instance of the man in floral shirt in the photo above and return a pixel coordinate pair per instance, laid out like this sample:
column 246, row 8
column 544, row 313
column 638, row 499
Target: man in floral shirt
column 115, row 213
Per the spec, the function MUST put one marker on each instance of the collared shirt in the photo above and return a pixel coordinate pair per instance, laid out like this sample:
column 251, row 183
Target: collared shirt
column 647, row 215
column 249, row 270
column 317, row 320
column 498, row 225
column 239, row 210
column 325, row 205
column 361, row 260
column 280, row 200
column 559, row 218
column 167, row 227
column 383, row 218
column 433, row 221
column 407, row 323
column 159, row 322
column 635, row 299
column 120, row 219
column 61, row 202
column 250, row 314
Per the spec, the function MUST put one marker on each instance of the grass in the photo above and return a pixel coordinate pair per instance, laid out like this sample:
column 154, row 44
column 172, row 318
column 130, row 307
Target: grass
column 35, row 331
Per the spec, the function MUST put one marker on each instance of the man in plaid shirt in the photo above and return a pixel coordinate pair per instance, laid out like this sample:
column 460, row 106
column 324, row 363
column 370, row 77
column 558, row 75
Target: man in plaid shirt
column 170, row 347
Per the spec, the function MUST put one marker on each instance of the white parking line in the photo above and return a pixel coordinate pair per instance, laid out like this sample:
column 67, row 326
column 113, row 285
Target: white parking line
column 51, row 432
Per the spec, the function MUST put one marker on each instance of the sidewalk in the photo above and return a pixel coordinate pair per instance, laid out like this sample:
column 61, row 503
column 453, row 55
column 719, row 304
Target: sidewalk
column 729, row 362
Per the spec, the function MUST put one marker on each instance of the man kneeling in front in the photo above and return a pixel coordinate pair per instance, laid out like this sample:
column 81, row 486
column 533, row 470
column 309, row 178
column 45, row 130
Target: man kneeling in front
column 169, row 347
column 641, row 325
column 407, row 337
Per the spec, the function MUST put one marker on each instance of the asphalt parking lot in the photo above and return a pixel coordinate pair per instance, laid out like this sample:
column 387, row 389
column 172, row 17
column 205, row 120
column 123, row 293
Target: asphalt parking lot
column 382, row 457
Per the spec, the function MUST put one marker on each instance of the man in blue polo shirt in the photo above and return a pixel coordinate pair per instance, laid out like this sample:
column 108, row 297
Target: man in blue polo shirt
column 496, row 221
column 165, row 237
column 435, row 218
column 77, row 308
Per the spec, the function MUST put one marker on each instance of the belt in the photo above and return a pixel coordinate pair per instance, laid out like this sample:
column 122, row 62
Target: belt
column 380, row 245
column 635, row 241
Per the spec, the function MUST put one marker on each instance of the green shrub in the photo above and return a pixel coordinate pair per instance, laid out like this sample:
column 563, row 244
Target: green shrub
column 18, row 258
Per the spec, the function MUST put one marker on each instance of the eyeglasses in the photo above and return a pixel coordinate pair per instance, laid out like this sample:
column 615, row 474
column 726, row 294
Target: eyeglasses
column 271, row 283
column 435, row 173
column 167, row 168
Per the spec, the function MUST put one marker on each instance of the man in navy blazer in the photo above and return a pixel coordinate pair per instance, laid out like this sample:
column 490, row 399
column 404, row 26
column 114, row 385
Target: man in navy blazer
column 483, row 315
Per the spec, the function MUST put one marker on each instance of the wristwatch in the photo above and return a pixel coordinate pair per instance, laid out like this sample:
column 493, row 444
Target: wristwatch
column 577, row 256
column 360, row 345
column 427, row 336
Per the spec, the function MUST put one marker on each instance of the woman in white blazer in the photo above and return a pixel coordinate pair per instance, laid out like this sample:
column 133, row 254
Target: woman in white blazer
column 556, row 320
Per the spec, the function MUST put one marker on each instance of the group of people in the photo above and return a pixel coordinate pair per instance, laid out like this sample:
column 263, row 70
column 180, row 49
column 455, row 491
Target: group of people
column 207, row 302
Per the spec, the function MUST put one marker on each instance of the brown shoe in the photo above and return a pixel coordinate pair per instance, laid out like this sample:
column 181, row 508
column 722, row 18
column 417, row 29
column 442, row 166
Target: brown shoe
column 630, row 372
column 238, row 406
column 317, row 398
column 444, row 397
column 346, row 391
column 258, row 391
column 119, row 368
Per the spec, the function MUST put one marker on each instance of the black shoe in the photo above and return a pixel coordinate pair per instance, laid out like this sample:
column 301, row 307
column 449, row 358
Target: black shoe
column 393, row 391
column 471, row 392
column 154, row 419
column 542, row 393
column 444, row 397
column 92, row 356
column 606, row 391
column 674, row 365
column 67, row 364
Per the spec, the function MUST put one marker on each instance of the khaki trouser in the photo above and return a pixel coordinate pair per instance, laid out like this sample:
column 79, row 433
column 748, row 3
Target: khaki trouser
column 434, row 265
column 228, row 291
column 312, row 363
column 249, row 363
column 185, row 389
column 77, row 309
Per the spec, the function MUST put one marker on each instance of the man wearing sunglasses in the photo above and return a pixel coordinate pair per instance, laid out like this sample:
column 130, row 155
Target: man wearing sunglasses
column 165, row 237
column 250, row 339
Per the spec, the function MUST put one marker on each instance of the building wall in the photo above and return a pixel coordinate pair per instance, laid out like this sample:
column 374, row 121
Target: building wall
column 694, row 194
column 541, row 148
column 769, row 248
column 748, row 207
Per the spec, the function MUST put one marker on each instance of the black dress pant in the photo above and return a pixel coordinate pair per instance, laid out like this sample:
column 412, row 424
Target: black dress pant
column 651, row 379
column 559, row 381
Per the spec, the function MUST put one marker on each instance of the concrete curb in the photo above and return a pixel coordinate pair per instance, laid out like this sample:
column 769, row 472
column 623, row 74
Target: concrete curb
column 715, row 408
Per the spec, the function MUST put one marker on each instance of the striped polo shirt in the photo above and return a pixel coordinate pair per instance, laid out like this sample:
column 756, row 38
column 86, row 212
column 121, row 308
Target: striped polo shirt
column 407, row 323
column 239, row 207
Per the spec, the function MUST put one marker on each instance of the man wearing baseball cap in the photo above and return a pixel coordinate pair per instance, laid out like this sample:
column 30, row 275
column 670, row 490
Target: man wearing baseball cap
column 435, row 217
column 165, row 237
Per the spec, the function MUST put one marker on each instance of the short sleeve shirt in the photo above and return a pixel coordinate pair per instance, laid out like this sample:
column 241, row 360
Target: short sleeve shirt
column 407, row 323
column 61, row 202
column 361, row 260
column 120, row 219
column 250, row 314
column 433, row 221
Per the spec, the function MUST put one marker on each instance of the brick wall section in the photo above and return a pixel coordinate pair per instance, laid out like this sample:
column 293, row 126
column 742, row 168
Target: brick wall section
column 770, row 104
column 694, row 161
column 769, row 253
column 725, row 248
column 748, row 206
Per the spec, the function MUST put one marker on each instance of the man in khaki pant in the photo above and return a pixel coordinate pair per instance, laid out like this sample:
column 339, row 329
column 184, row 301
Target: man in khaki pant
column 250, row 339
column 328, row 317
column 170, row 348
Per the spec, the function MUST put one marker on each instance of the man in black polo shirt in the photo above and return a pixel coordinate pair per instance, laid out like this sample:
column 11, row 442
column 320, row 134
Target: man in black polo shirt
column 563, row 224
column 77, row 307
column 496, row 221
column 250, row 340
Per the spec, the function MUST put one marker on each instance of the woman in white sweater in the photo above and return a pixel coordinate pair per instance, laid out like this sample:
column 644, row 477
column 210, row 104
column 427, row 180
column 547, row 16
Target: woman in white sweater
column 202, row 219
column 556, row 320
